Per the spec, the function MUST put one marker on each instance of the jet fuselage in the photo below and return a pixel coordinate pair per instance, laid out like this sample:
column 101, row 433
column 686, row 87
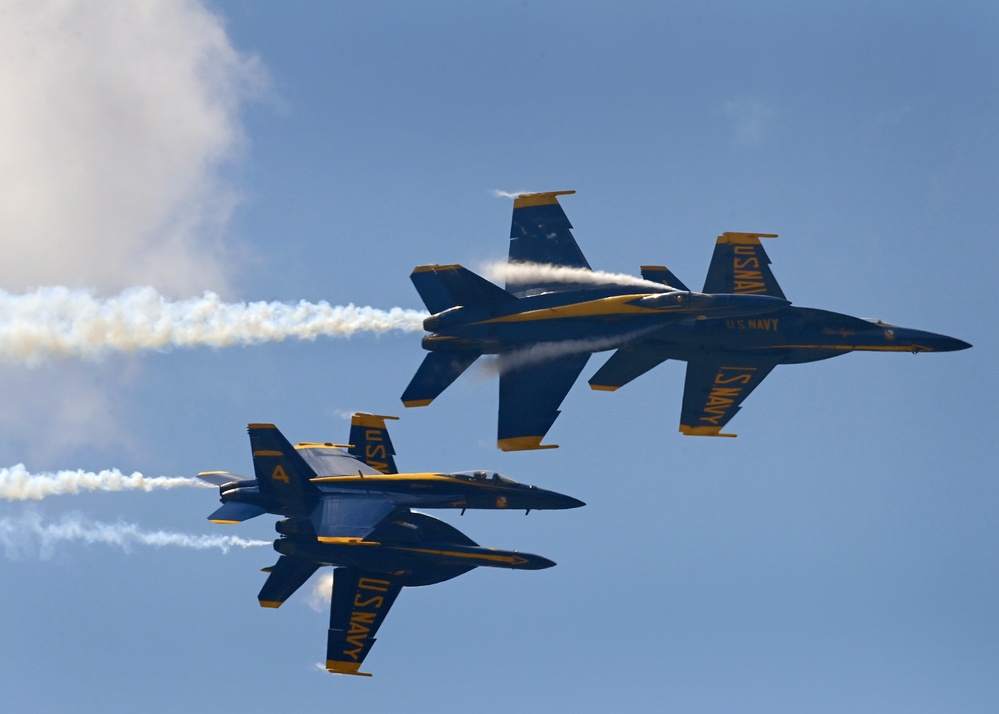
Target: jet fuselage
column 801, row 334
column 605, row 316
column 471, row 489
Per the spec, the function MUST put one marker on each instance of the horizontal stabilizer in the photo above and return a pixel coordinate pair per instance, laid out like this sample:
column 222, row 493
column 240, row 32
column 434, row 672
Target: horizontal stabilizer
column 286, row 576
column 370, row 442
column 358, row 607
column 279, row 468
column 220, row 478
column 625, row 365
column 662, row 274
column 438, row 371
column 445, row 286
column 236, row 512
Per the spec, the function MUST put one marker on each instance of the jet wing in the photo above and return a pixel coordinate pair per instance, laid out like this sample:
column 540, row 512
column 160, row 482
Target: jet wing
column 740, row 266
column 349, row 515
column 358, row 607
column 370, row 442
column 285, row 577
column 716, row 386
column 541, row 233
column 331, row 461
column 530, row 395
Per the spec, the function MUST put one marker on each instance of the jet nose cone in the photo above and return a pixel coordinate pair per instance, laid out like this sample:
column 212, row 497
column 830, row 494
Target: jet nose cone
column 553, row 500
column 927, row 341
column 536, row 562
column 948, row 344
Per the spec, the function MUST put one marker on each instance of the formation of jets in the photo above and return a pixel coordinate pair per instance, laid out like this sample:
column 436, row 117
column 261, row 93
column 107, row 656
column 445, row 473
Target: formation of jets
column 353, row 509
column 349, row 507
column 731, row 334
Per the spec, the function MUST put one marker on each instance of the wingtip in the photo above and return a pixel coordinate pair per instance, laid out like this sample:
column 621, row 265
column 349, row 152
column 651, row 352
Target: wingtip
column 354, row 668
column 704, row 431
column 524, row 443
column 417, row 403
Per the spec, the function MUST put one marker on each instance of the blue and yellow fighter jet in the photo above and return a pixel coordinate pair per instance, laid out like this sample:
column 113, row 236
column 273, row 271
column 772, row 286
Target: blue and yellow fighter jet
column 545, row 325
column 352, row 509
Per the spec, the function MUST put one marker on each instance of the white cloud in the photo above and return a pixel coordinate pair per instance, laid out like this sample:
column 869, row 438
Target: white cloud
column 114, row 121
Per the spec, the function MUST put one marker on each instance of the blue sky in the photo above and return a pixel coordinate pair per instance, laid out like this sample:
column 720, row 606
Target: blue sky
column 840, row 555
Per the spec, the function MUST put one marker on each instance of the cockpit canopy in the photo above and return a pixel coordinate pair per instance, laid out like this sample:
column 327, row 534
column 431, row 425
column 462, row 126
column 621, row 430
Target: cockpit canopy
column 666, row 301
column 483, row 476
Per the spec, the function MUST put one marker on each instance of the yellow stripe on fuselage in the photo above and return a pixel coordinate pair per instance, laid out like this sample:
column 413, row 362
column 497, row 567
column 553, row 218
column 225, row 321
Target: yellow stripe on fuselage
column 615, row 305
column 418, row 478
column 861, row 348
column 346, row 540
column 493, row 557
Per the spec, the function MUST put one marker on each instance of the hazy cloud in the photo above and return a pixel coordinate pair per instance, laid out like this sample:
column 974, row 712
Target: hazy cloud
column 114, row 121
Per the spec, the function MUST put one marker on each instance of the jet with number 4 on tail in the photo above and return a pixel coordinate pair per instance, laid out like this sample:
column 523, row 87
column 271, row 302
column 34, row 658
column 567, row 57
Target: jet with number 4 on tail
column 555, row 312
column 348, row 506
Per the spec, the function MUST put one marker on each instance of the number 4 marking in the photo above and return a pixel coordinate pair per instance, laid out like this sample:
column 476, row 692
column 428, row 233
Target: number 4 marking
column 280, row 475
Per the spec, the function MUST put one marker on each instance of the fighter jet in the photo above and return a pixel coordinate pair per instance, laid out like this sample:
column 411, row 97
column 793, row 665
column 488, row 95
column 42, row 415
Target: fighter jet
column 547, row 322
column 555, row 312
column 352, row 509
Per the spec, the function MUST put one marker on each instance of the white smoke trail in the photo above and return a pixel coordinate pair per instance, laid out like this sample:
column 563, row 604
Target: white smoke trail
column 544, row 351
column 499, row 193
column 17, row 484
column 58, row 322
column 27, row 535
column 542, row 272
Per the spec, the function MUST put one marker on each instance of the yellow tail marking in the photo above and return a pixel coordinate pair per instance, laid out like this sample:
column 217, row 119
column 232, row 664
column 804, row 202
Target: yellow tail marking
column 735, row 238
column 538, row 199
column 703, row 431
column 280, row 474
column 335, row 667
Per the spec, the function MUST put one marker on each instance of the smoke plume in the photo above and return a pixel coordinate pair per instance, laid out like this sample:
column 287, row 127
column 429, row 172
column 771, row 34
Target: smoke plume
column 27, row 535
column 17, row 484
column 58, row 322
column 544, row 273
column 544, row 351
